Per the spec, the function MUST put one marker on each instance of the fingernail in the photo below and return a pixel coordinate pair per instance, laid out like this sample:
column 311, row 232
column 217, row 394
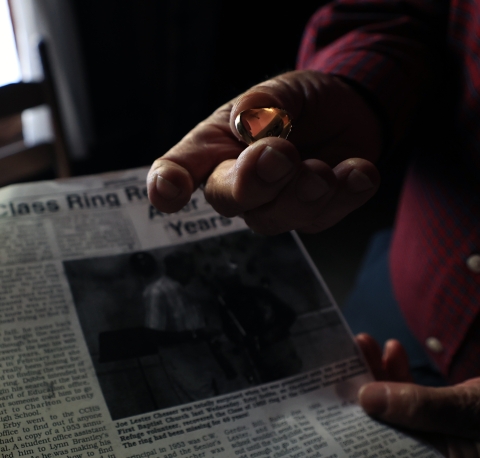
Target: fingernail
column 358, row 182
column 311, row 187
column 272, row 165
column 373, row 398
column 166, row 189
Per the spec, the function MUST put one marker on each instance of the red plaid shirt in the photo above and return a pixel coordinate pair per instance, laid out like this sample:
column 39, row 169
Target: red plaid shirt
column 397, row 50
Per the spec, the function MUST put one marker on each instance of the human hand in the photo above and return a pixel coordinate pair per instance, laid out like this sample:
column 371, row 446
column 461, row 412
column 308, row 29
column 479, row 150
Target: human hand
column 308, row 182
column 450, row 415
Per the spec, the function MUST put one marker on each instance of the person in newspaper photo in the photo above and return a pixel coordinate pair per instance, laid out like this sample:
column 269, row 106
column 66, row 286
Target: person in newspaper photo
column 374, row 78
column 179, row 309
column 217, row 339
column 258, row 322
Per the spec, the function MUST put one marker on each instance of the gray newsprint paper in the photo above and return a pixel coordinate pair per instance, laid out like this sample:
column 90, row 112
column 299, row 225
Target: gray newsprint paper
column 126, row 332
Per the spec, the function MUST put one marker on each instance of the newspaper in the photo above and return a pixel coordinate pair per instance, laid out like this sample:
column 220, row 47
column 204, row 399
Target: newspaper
column 126, row 332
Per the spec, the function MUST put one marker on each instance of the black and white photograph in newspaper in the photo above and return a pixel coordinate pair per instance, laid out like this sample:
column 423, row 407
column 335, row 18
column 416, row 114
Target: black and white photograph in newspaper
column 184, row 323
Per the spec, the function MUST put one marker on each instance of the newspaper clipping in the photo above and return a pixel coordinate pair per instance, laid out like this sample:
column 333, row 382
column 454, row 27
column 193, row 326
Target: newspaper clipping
column 126, row 332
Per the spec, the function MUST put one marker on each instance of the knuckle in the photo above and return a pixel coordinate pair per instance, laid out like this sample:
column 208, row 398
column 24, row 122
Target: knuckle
column 415, row 405
column 409, row 405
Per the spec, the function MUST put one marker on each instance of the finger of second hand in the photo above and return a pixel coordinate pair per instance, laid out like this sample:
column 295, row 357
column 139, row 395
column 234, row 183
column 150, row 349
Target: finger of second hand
column 372, row 353
column 449, row 410
column 395, row 360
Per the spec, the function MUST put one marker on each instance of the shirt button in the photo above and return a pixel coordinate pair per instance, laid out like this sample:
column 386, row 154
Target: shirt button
column 434, row 344
column 473, row 263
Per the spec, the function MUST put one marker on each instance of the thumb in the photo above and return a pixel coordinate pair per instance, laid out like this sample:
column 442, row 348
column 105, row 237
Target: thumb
column 453, row 410
column 326, row 112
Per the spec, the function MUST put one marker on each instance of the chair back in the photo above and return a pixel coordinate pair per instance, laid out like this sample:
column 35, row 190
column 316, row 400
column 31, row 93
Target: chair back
column 19, row 162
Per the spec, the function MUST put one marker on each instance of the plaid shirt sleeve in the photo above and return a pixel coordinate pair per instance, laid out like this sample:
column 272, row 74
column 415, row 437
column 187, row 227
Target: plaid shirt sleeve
column 384, row 47
column 391, row 49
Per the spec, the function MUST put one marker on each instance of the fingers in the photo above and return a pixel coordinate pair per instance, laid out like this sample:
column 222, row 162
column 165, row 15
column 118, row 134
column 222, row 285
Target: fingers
column 309, row 197
column 395, row 362
column 452, row 410
column 298, row 203
column 169, row 186
column 254, row 179
column 328, row 115
column 331, row 122
column 392, row 365
column 173, row 177
column 315, row 198
column 357, row 181
column 372, row 353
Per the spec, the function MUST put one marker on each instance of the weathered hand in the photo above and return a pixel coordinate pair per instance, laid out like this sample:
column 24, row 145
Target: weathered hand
column 452, row 414
column 308, row 182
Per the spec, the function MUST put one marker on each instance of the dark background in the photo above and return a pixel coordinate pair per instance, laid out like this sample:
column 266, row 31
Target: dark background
column 155, row 69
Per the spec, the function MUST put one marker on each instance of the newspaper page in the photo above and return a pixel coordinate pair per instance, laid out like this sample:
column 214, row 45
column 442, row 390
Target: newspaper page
column 126, row 332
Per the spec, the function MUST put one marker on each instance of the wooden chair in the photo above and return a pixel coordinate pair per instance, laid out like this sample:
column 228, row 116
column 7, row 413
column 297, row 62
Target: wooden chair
column 19, row 162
